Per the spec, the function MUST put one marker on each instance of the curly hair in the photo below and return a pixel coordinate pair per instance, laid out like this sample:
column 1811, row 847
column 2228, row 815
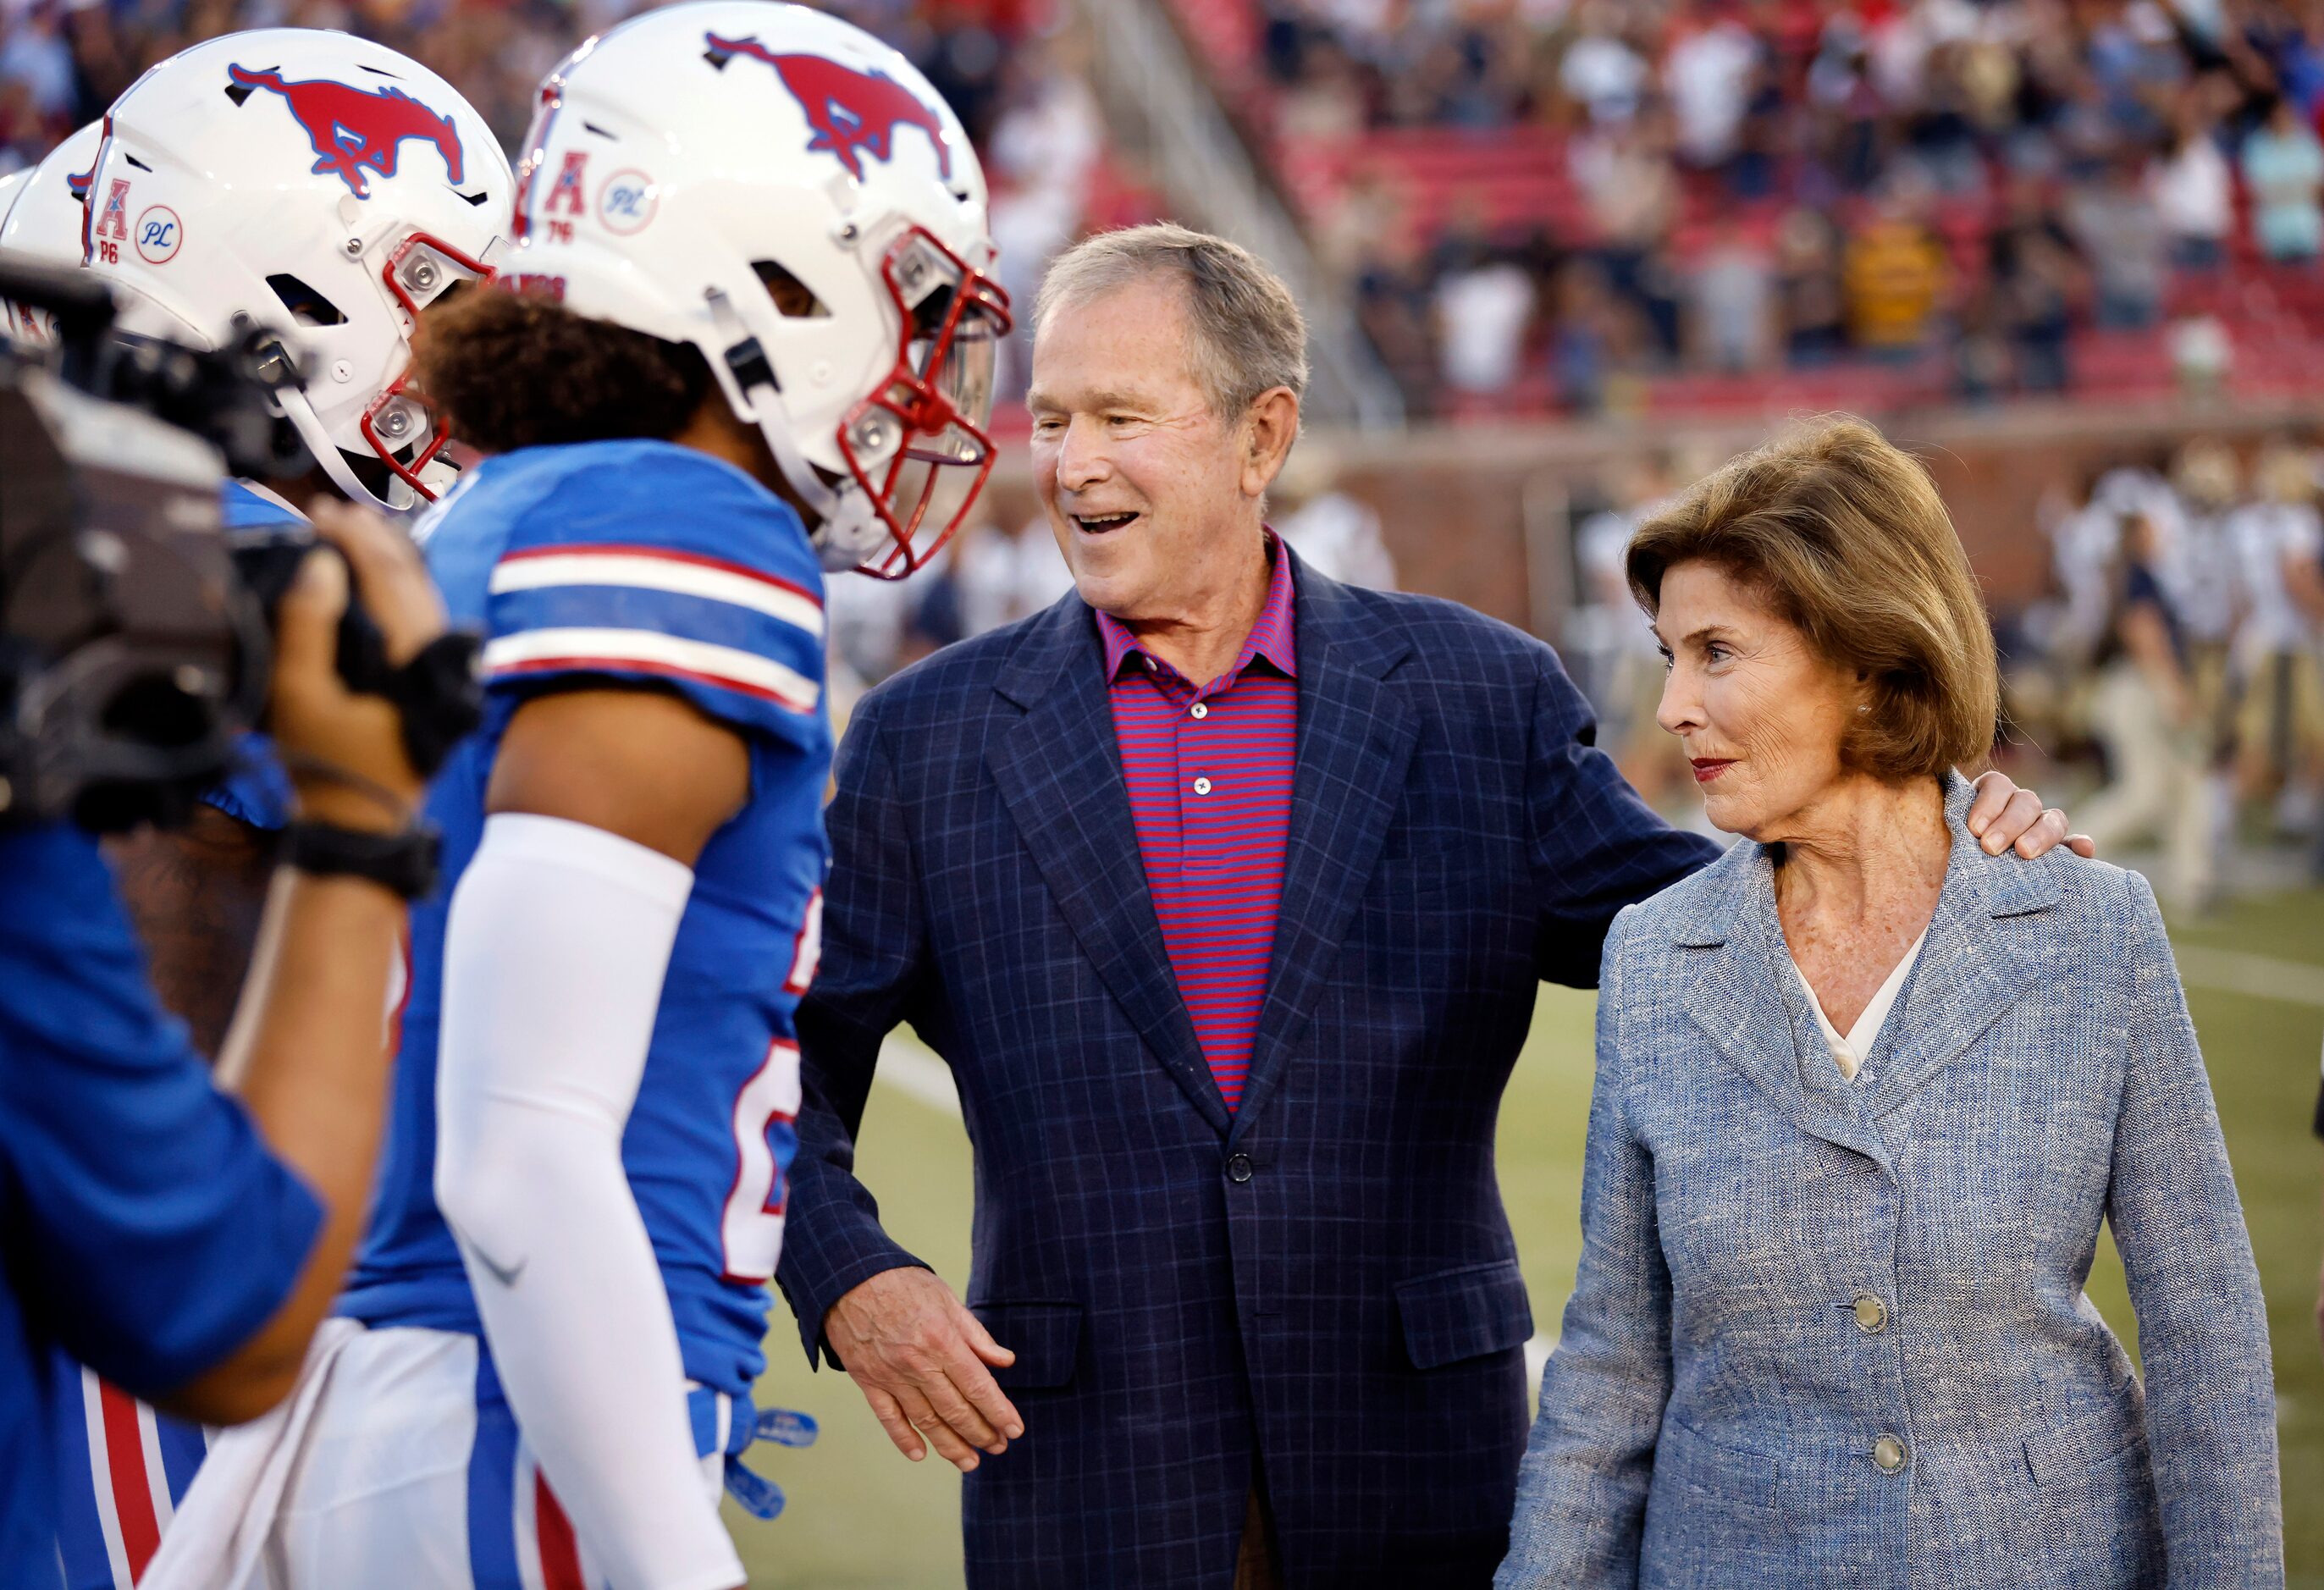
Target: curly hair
column 520, row 370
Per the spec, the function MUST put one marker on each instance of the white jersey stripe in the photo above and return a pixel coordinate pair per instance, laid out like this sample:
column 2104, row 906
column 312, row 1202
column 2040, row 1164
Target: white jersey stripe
column 653, row 652
column 100, row 1470
column 538, row 571
column 157, row 1475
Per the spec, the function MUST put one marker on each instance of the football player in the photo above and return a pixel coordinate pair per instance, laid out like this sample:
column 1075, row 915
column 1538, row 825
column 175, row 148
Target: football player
column 751, row 339
column 217, row 215
column 39, row 220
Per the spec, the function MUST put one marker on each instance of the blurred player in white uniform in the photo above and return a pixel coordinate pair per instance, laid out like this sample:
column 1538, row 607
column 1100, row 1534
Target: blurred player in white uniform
column 750, row 339
column 215, row 214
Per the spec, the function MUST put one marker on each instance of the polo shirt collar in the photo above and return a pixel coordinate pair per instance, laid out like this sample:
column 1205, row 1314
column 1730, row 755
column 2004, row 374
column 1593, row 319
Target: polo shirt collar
column 1270, row 637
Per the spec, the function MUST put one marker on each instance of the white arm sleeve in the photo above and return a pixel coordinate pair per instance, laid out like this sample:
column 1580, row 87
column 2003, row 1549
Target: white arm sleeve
column 554, row 956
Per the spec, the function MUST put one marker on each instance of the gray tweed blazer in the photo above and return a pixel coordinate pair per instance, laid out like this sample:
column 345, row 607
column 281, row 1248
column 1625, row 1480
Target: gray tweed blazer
column 1834, row 1333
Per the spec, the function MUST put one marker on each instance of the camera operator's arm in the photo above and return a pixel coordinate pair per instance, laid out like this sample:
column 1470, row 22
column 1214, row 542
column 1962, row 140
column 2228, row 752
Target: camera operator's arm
column 149, row 1228
column 307, row 1046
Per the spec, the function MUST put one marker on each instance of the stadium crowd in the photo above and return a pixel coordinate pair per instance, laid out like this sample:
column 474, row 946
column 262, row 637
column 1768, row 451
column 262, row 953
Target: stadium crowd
column 1761, row 184
column 2177, row 651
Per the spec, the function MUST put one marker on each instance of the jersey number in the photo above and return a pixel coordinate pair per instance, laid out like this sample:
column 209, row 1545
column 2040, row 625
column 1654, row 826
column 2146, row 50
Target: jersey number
column 808, row 948
column 751, row 1229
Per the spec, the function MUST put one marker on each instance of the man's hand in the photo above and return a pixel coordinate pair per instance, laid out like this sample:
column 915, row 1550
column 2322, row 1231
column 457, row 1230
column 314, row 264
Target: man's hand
column 314, row 716
column 921, row 1360
column 2002, row 814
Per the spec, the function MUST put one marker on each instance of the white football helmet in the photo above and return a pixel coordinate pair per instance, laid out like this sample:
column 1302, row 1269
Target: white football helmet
column 41, row 218
column 317, row 183
column 787, row 194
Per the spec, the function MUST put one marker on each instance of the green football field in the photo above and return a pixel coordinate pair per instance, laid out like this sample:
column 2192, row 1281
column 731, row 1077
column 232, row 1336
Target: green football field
column 860, row 1515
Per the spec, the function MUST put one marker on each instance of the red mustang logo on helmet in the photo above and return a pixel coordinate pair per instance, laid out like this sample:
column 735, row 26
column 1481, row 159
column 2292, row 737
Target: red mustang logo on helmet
column 849, row 110
column 352, row 128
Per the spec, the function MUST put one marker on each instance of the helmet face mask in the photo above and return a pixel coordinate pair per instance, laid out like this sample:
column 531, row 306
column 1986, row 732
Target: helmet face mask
column 927, row 418
column 787, row 194
column 318, row 184
column 402, row 428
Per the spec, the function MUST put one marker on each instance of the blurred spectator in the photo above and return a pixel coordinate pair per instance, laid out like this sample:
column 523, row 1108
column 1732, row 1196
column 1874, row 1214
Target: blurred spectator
column 2284, row 166
column 2146, row 717
column 1600, row 72
column 1732, row 323
column 1395, row 307
column 1813, row 305
column 2033, row 277
column 2194, row 192
column 1634, row 195
column 1337, row 535
column 1484, row 303
column 2121, row 233
column 1003, row 577
column 37, row 64
column 1586, row 334
column 1710, row 75
column 2278, row 545
column 1894, row 275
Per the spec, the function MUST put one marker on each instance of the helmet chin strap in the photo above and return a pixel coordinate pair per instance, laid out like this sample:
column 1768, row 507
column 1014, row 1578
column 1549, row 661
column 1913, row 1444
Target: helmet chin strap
column 846, row 529
column 400, row 499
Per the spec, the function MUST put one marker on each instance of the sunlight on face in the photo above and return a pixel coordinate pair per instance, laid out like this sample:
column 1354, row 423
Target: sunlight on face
column 1760, row 715
column 1140, row 480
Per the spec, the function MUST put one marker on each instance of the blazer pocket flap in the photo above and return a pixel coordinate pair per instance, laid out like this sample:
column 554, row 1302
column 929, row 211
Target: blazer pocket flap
column 1047, row 1338
column 1463, row 1313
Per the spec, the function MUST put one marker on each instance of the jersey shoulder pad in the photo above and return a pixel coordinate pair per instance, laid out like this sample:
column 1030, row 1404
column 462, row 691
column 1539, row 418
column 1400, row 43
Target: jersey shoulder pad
column 243, row 506
column 650, row 561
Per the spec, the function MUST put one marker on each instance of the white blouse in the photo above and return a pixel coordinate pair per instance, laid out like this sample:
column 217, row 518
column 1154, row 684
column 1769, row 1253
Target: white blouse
column 1851, row 1051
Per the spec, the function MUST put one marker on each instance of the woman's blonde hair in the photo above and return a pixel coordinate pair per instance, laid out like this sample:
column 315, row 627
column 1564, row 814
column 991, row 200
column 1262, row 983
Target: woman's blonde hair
column 1845, row 537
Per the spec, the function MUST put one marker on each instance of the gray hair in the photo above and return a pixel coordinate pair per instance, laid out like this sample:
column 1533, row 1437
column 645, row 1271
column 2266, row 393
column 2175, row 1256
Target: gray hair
column 1250, row 337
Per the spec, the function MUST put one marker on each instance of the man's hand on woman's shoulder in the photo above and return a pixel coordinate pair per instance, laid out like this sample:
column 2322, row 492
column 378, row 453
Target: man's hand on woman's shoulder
column 2004, row 814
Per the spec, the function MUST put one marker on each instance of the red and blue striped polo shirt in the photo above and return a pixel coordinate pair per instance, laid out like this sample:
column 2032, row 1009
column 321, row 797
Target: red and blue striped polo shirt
column 1209, row 772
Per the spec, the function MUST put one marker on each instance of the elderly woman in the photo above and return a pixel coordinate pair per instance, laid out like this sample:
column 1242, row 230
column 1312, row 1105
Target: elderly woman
column 1864, row 1096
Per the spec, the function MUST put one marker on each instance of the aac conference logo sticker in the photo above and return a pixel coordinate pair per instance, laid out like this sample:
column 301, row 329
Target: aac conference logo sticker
column 159, row 233
column 627, row 202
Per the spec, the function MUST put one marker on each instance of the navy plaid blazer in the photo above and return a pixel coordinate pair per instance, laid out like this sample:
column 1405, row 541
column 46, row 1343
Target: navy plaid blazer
column 1319, row 1292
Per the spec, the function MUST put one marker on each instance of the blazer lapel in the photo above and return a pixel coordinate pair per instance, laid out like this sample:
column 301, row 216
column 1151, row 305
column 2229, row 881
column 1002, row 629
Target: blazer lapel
column 1965, row 977
column 1059, row 770
column 1355, row 741
column 1736, row 985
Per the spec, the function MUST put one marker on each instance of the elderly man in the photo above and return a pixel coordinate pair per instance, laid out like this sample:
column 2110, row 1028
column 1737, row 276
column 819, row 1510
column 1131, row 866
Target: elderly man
column 1224, row 890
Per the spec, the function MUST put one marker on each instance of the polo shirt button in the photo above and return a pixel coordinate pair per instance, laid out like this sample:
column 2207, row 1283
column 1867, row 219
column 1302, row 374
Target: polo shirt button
column 1202, row 786
column 1200, row 711
column 1871, row 1315
column 1239, row 1168
column 1888, row 1455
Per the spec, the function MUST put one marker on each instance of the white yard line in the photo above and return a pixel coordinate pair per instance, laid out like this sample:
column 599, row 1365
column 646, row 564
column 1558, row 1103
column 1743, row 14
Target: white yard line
column 2259, row 976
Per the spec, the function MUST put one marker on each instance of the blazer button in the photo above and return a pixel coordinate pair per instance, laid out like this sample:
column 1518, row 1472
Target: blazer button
column 1239, row 1168
column 1888, row 1455
column 1871, row 1313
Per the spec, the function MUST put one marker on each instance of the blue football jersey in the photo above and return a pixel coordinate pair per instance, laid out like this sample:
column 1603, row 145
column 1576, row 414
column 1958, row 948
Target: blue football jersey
column 641, row 563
